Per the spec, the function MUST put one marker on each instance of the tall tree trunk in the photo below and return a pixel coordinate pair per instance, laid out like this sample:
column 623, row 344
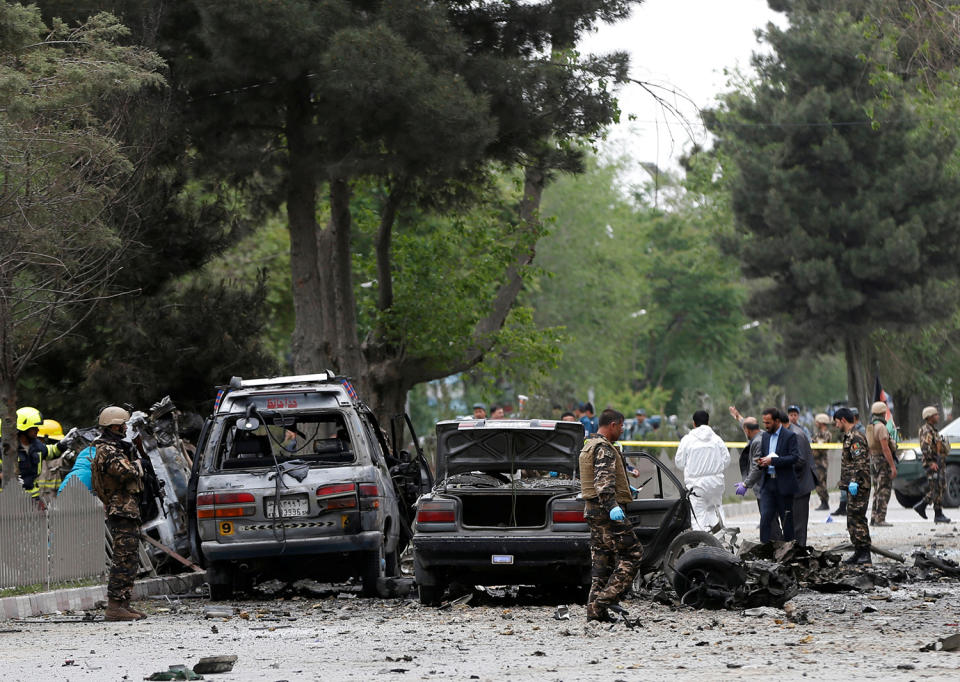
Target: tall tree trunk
column 307, row 340
column 8, row 446
column 861, row 365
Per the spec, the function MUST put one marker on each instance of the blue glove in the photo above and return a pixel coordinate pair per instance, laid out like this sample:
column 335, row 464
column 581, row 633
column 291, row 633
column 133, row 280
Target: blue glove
column 553, row 474
column 616, row 514
column 853, row 488
column 634, row 492
column 741, row 489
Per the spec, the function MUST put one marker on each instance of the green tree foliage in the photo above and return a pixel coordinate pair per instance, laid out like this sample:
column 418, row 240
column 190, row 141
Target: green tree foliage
column 847, row 222
column 63, row 92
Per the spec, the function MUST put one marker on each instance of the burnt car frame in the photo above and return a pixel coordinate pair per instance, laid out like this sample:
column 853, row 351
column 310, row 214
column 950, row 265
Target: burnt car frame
column 345, row 496
column 506, row 508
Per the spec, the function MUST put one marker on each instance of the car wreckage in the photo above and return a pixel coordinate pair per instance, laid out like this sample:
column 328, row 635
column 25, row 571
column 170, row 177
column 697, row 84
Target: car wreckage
column 294, row 476
column 506, row 508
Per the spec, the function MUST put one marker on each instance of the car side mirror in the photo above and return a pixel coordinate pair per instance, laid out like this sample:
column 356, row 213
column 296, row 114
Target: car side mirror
column 248, row 424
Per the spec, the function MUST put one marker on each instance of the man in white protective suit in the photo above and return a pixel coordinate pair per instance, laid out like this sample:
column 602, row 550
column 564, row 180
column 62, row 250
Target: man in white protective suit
column 703, row 457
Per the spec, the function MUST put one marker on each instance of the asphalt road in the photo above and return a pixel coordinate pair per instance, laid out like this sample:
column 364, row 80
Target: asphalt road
column 874, row 635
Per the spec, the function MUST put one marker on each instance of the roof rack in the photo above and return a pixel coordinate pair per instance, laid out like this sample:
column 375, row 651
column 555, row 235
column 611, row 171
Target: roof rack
column 239, row 382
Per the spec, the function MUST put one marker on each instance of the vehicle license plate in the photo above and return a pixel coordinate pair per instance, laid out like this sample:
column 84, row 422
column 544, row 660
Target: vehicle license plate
column 501, row 559
column 290, row 506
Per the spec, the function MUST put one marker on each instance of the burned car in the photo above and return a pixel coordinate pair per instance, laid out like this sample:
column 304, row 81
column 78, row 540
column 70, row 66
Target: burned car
column 506, row 508
column 293, row 477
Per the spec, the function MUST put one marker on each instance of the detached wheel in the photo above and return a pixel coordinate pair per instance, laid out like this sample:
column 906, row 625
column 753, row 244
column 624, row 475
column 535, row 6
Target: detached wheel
column 906, row 500
column 682, row 544
column 951, row 492
column 707, row 567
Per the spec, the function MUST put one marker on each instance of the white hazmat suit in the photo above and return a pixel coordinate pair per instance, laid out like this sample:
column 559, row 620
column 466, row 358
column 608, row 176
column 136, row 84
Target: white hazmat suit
column 703, row 457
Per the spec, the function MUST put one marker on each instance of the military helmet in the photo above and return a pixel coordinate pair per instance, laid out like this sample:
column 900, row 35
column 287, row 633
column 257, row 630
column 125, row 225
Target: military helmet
column 51, row 429
column 113, row 416
column 878, row 407
column 28, row 418
column 929, row 411
column 822, row 418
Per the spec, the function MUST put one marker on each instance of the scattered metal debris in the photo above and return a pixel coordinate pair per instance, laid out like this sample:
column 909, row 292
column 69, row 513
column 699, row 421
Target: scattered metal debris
column 948, row 643
column 562, row 613
column 175, row 672
column 218, row 612
column 214, row 664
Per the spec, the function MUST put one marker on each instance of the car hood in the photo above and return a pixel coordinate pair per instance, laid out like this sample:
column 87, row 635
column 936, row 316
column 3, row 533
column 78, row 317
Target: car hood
column 507, row 445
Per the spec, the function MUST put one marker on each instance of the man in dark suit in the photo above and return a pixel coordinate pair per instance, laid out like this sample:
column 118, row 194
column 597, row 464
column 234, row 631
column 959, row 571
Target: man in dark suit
column 780, row 451
column 805, row 470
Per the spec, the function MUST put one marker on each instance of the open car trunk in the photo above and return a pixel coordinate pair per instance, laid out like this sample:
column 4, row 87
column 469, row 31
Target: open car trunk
column 521, row 508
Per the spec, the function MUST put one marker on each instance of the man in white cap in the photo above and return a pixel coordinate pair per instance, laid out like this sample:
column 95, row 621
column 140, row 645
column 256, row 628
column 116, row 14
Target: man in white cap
column 883, row 468
column 934, row 450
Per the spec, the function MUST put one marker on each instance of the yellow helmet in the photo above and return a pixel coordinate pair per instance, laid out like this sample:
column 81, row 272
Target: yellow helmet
column 51, row 429
column 28, row 418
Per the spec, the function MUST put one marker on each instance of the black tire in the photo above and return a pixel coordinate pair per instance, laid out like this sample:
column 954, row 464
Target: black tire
column 682, row 544
column 906, row 500
column 951, row 489
column 431, row 595
column 712, row 566
column 372, row 570
column 220, row 581
column 392, row 569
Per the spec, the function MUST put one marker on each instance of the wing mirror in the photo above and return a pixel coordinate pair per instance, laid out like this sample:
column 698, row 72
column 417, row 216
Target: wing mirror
column 250, row 422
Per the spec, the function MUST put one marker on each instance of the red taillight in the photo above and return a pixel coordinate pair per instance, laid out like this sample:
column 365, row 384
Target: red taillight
column 337, row 489
column 572, row 516
column 233, row 498
column 204, row 499
column 369, row 490
column 341, row 503
column 436, row 512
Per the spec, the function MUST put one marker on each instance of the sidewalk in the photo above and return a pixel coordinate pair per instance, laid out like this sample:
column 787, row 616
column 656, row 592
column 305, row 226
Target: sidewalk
column 84, row 598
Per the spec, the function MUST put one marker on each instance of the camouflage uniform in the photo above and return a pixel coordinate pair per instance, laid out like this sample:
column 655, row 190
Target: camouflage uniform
column 117, row 483
column 855, row 467
column 820, row 458
column 880, row 471
column 933, row 449
column 614, row 548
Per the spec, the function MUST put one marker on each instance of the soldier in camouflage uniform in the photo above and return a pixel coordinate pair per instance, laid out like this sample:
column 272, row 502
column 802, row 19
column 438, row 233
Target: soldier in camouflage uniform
column 934, row 450
column 117, row 481
column 820, row 459
column 614, row 548
column 855, row 478
column 883, row 468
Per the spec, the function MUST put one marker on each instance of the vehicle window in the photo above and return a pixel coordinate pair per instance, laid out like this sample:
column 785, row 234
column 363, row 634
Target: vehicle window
column 652, row 482
column 314, row 438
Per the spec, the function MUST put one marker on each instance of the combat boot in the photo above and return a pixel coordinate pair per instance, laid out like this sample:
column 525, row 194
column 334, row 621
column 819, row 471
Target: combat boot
column 138, row 612
column 116, row 612
column 823, row 507
column 597, row 612
column 861, row 555
column 921, row 508
column 939, row 517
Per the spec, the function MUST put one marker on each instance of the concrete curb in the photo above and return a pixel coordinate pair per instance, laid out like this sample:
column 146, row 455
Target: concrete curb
column 84, row 598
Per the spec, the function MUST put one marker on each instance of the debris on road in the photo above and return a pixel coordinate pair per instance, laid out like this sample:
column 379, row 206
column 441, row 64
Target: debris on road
column 218, row 612
column 214, row 664
column 562, row 613
column 948, row 643
column 175, row 672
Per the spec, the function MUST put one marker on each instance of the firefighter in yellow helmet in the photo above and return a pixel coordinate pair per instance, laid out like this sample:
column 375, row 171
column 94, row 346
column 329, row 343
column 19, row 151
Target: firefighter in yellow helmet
column 31, row 451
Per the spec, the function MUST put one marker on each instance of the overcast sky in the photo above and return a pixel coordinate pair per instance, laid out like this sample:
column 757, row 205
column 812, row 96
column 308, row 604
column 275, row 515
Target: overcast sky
column 681, row 44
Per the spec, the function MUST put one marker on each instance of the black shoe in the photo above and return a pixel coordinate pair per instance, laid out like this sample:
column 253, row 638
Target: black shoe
column 823, row 507
column 940, row 518
column 921, row 508
column 861, row 556
column 841, row 510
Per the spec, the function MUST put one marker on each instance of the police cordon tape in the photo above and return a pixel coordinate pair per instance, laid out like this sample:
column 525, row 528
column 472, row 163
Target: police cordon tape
column 738, row 444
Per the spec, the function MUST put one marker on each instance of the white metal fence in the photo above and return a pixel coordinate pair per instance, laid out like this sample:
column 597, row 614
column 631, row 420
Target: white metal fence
column 64, row 542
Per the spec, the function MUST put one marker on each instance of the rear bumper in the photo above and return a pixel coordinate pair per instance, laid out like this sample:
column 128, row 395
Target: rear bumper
column 358, row 542
column 435, row 551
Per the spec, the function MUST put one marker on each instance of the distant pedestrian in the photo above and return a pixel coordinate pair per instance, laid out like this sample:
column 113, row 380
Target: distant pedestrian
column 703, row 456
column 934, row 450
column 780, row 454
column 855, row 478
column 496, row 412
column 805, row 471
column 821, row 458
column 883, row 469
column 568, row 417
column 793, row 413
column 479, row 411
column 589, row 420
column 615, row 550
column 640, row 426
